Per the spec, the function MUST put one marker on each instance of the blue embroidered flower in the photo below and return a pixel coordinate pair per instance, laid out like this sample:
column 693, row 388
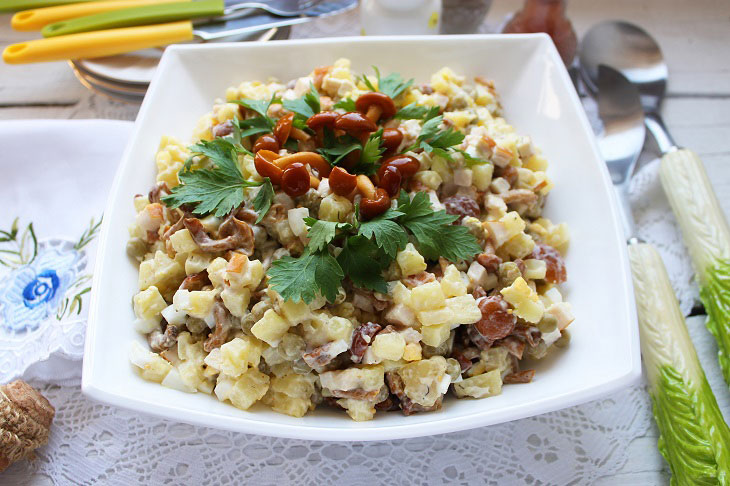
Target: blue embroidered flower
column 32, row 292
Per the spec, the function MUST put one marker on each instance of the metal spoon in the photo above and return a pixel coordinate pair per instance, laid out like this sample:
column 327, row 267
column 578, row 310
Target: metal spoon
column 633, row 52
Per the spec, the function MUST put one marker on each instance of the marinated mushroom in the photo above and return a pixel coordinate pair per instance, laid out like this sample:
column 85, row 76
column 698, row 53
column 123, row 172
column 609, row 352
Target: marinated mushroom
column 375, row 106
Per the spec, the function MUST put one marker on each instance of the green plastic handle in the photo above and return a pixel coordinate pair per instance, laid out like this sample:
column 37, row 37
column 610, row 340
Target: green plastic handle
column 130, row 17
column 15, row 5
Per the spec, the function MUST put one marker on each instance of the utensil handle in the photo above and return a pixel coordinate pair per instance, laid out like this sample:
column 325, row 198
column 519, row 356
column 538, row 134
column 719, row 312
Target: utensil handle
column 129, row 17
column 705, row 229
column 99, row 43
column 36, row 19
column 15, row 5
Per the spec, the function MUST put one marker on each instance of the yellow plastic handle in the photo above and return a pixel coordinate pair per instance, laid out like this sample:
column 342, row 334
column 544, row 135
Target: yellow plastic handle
column 38, row 18
column 99, row 43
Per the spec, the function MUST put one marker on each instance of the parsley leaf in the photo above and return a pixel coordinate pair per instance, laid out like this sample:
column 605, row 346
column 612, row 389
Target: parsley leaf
column 469, row 160
column 347, row 104
column 438, row 142
column 305, row 277
column 338, row 151
column 253, row 126
column 417, row 112
column 430, row 128
column 388, row 234
column 447, row 138
column 306, row 106
column 370, row 155
column 262, row 201
column 434, row 233
column 321, row 233
column 218, row 189
column 363, row 263
column 391, row 85
column 261, row 107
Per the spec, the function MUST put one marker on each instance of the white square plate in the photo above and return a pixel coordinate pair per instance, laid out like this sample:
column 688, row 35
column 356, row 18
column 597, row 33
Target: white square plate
column 538, row 100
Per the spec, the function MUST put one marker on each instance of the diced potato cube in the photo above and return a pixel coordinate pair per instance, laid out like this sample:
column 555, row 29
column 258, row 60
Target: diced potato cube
column 434, row 317
column 294, row 385
column 526, row 302
column 270, row 328
column 535, row 269
column 335, row 208
column 463, row 310
column 485, row 385
column 182, row 241
column 429, row 178
column 174, row 380
column 217, row 271
column 520, row 245
column 236, row 301
column 246, row 273
column 198, row 303
column 367, row 378
column 162, row 271
column 435, row 335
column 452, row 284
column 196, row 262
column 424, row 380
column 562, row 312
column 191, row 373
column 293, row 406
column 412, row 352
column 250, row 387
column 389, row 346
column 482, row 176
column 358, row 410
column 339, row 328
column 401, row 315
column 509, row 225
column 295, row 312
column 463, row 177
column 496, row 207
column 152, row 367
column 140, row 202
column 535, row 163
column 428, row 296
column 410, row 261
column 401, row 294
column 188, row 348
column 240, row 353
column 149, row 303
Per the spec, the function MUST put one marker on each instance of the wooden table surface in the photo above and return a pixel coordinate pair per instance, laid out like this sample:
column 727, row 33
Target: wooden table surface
column 694, row 37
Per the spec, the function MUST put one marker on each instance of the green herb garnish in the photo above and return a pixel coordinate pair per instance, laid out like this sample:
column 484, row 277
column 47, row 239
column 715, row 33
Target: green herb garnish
column 414, row 111
column 306, row 106
column 391, row 85
column 347, row 104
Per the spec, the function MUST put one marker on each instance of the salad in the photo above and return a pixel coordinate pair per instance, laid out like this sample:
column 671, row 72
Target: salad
column 360, row 242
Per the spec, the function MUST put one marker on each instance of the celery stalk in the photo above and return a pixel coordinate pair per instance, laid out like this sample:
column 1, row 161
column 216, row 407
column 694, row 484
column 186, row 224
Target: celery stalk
column 707, row 236
column 694, row 438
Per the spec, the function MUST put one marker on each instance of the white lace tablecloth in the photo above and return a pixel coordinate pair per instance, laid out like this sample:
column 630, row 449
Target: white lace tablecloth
column 95, row 444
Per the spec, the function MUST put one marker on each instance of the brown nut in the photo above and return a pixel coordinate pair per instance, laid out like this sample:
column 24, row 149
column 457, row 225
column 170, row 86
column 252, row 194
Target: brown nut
column 265, row 166
column 391, row 139
column 407, row 165
column 354, row 122
column 283, row 128
column 295, row 179
column 372, row 207
column 391, row 180
column 375, row 106
column 266, row 142
column 342, row 182
column 313, row 159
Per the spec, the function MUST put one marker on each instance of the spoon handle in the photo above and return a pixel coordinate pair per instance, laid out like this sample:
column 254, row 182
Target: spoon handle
column 655, row 125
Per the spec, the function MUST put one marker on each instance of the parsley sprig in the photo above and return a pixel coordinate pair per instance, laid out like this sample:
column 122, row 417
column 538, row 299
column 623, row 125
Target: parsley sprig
column 262, row 123
column 415, row 111
column 442, row 142
column 217, row 189
column 391, row 85
column 367, row 248
column 335, row 149
column 306, row 106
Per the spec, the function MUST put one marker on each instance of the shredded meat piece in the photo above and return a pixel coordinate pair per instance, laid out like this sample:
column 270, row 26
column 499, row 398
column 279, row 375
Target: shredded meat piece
column 478, row 292
column 419, row 279
column 357, row 394
column 222, row 129
column 530, row 334
column 159, row 341
column 465, row 357
column 320, row 357
column 195, row 281
column 233, row 233
column 361, row 339
column 519, row 196
column 489, row 261
column 461, row 206
column 496, row 322
column 223, row 326
column 425, row 88
column 160, row 189
column 179, row 224
column 389, row 404
column 524, row 376
column 477, row 339
column 515, row 346
column 509, row 173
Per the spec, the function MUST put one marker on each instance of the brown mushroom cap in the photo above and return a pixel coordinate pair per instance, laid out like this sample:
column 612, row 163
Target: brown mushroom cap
column 323, row 119
column 353, row 121
column 374, row 98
